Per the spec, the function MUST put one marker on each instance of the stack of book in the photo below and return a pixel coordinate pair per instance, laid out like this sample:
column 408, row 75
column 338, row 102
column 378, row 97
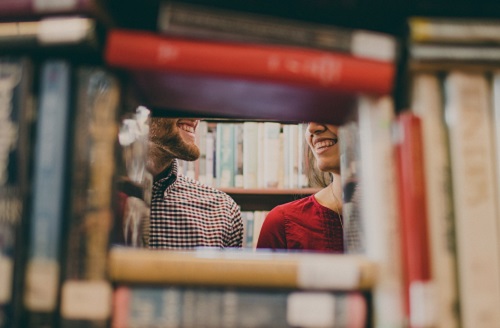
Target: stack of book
column 239, row 288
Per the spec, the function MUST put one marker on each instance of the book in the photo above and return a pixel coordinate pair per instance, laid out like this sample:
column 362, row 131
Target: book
column 457, row 53
column 238, row 155
column 176, row 306
column 271, row 154
column 250, row 151
column 210, row 23
column 16, row 106
column 380, row 210
column 454, row 30
column 223, row 97
column 417, row 278
column 85, row 291
column 469, row 121
column 50, row 194
column 241, row 267
column 50, row 32
column 302, row 67
column 427, row 103
column 224, row 150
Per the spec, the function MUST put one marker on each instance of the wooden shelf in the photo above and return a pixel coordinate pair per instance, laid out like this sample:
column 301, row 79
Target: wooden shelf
column 266, row 199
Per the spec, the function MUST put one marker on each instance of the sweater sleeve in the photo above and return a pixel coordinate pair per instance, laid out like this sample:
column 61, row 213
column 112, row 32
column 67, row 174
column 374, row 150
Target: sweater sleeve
column 272, row 234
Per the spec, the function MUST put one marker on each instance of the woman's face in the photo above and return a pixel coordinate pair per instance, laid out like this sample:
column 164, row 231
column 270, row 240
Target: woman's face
column 323, row 141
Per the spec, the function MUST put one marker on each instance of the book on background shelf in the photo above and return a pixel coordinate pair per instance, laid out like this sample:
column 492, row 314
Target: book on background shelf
column 50, row 32
column 417, row 277
column 250, row 151
column 50, row 194
column 16, row 106
column 134, row 183
column 224, row 151
column 210, row 23
column 177, row 306
column 469, row 120
column 11, row 10
column 380, row 210
column 86, row 292
column 142, row 50
column 241, row 267
column 273, row 163
column 447, row 30
column 427, row 103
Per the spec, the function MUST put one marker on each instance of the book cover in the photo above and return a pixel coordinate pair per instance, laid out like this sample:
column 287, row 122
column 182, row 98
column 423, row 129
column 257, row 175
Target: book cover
column 50, row 190
column 469, row 120
column 380, row 210
column 175, row 306
column 239, row 162
column 203, row 22
column 141, row 50
column 16, row 106
column 427, row 103
column 417, row 277
column 86, row 292
column 241, row 267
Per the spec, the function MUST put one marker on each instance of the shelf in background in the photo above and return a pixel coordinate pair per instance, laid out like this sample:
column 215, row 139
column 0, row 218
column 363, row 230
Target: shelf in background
column 266, row 199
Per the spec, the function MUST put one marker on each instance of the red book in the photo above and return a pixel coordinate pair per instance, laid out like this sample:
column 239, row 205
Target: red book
column 141, row 50
column 413, row 218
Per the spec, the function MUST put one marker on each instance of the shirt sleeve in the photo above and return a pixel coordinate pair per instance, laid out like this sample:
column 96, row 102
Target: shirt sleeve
column 236, row 238
column 272, row 234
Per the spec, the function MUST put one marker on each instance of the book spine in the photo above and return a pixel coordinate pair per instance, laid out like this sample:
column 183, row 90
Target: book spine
column 250, row 154
column 238, row 155
column 261, row 269
column 176, row 306
column 271, row 158
column 49, row 193
column 15, row 157
column 469, row 119
column 379, row 210
column 201, row 134
column 427, row 103
column 458, row 53
column 453, row 30
column 86, row 293
column 289, row 65
column 225, row 154
column 418, row 289
column 216, row 24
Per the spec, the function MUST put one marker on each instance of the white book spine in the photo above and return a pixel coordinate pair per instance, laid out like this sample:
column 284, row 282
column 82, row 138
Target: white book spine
column 271, row 154
column 379, row 210
column 250, row 154
column 428, row 105
column 468, row 114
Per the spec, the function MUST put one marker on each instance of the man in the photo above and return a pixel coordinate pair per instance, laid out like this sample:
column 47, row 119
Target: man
column 185, row 213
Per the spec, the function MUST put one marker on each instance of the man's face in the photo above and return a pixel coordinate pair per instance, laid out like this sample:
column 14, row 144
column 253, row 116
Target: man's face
column 174, row 138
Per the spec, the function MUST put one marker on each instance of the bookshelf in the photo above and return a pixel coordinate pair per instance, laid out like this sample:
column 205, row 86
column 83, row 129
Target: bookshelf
column 179, row 94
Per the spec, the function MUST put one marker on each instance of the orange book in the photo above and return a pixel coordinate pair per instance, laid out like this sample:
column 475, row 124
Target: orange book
column 142, row 50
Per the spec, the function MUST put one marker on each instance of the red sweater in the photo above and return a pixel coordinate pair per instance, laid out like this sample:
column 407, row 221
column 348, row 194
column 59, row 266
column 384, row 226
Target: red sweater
column 302, row 224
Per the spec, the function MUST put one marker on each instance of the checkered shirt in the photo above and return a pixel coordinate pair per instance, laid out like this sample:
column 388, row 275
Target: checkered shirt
column 186, row 214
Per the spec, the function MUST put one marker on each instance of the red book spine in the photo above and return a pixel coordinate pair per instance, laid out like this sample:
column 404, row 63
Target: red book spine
column 413, row 216
column 140, row 50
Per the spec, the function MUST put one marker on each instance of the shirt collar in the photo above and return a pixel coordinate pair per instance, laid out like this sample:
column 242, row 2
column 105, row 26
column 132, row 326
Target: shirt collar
column 168, row 176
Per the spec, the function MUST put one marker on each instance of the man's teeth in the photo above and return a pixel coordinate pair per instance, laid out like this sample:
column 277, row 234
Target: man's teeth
column 326, row 143
column 187, row 128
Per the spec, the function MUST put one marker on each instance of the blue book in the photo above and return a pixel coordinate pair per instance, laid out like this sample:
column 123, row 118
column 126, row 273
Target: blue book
column 49, row 192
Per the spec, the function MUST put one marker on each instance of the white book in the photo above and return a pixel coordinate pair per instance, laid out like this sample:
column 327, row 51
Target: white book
column 201, row 140
column 260, row 156
column 379, row 208
column 293, row 156
column 469, row 118
column 250, row 154
column 238, row 155
column 271, row 154
column 427, row 103
column 210, row 162
column 224, row 161
column 303, row 180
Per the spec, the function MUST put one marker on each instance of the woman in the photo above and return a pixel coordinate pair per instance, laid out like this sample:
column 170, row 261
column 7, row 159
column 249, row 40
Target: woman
column 314, row 222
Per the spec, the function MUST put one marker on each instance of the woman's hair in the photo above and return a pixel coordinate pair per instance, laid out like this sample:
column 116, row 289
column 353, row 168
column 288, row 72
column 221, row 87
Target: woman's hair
column 316, row 177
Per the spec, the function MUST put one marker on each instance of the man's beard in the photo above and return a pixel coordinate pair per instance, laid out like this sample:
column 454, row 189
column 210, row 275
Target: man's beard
column 176, row 147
